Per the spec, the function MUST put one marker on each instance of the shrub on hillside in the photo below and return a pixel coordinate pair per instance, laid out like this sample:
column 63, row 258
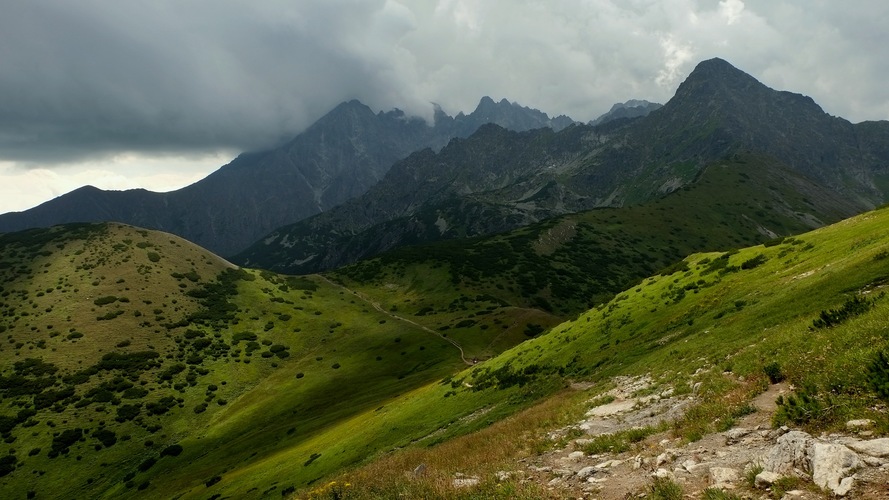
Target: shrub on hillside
column 248, row 336
column 852, row 307
column 878, row 375
column 62, row 442
column 805, row 406
column 106, row 437
column 147, row 464
column 7, row 465
column 754, row 262
column 773, row 371
column 109, row 316
column 101, row 301
column 174, row 450
column 128, row 412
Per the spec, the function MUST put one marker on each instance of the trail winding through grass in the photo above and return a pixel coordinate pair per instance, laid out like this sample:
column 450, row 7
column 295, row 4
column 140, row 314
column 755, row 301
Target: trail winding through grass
column 378, row 307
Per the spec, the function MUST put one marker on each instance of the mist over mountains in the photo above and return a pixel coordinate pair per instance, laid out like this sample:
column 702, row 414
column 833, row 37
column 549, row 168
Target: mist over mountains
column 335, row 159
column 378, row 181
column 499, row 180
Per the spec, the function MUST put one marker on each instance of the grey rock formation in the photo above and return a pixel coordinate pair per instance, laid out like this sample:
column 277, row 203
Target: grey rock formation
column 790, row 452
column 833, row 466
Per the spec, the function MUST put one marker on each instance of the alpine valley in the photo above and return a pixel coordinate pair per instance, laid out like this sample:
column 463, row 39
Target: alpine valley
column 493, row 305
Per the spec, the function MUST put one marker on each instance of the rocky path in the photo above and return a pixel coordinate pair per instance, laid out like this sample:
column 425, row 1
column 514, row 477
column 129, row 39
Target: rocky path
column 750, row 460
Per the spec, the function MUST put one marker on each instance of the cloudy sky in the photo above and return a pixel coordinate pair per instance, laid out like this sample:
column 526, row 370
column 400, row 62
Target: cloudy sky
column 157, row 94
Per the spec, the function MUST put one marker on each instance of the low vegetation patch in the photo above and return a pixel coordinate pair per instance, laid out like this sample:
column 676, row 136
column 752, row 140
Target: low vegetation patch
column 854, row 306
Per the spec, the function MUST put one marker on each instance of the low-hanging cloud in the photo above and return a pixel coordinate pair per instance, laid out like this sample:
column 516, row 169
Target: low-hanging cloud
column 94, row 78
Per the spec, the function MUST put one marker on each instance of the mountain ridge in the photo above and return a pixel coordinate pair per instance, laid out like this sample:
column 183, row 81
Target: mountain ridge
column 335, row 159
column 717, row 111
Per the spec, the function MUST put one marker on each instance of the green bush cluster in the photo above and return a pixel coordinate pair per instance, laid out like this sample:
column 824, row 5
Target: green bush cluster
column 805, row 406
column 878, row 375
column 852, row 307
column 773, row 372
column 101, row 301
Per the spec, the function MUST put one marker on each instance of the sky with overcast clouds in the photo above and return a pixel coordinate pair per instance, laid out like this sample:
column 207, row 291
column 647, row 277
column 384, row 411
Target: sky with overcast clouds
column 157, row 94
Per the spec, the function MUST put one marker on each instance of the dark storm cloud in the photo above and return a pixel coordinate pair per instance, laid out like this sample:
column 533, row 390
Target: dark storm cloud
column 91, row 78
column 85, row 77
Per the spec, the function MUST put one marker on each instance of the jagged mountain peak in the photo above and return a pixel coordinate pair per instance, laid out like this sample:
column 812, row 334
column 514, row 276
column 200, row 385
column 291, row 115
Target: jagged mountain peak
column 632, row 103
column 350, row 106
column 717, row 76
column 717, row 80
column 511, row 115
column 630, row 109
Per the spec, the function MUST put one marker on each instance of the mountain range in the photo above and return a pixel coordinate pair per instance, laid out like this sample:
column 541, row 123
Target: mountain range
column 497, row 180
column 506, row 314
column 337, row 158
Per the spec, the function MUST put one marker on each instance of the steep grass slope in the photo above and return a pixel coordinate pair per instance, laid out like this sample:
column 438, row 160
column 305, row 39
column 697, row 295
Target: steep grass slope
column 809, row 308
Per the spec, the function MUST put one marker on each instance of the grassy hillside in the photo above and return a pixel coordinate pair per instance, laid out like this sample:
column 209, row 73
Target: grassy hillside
column 810, row 309
column 132, row 355
column 138, row 365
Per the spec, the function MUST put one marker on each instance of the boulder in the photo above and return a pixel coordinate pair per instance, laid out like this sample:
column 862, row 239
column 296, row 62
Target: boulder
column 734, row 435
column 833, row 466
column 665, row 457
column 609, row 463
column 766, row 479
column 790, row 452
column 724, row 477
column 586, row 472
column 663, row 474
column 873, row 447
column 575, row 455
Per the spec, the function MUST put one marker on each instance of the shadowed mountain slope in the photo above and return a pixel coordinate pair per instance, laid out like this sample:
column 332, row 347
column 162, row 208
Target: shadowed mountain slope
column 337, row 158
column 497, row 180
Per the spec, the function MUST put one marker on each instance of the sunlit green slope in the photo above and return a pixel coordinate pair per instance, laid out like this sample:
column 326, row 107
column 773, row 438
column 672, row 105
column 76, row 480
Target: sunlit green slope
column 809, row 308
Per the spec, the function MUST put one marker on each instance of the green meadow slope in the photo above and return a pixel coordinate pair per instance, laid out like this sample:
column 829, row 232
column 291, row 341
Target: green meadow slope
column 132, row 355
column 139, row 365
column 810, row 309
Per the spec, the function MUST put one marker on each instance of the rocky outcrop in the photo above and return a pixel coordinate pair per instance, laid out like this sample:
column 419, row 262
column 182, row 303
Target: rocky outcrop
column 873, row 448
column 790, row 453
column 833, row 466
column 752, row 456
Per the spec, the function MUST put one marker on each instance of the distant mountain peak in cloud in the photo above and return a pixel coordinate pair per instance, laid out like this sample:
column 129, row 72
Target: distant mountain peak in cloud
column 630, row 109
column 335, row 159
column 510, row 115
